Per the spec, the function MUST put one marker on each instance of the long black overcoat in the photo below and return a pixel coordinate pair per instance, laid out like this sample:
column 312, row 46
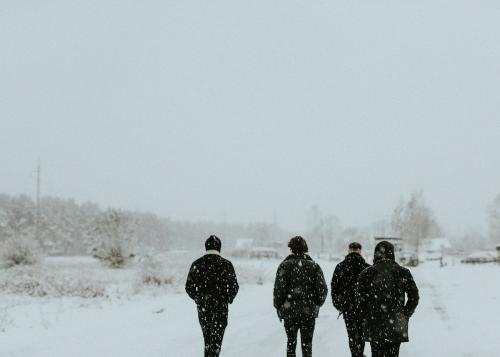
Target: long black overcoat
column 387, row 296
column 344, row 280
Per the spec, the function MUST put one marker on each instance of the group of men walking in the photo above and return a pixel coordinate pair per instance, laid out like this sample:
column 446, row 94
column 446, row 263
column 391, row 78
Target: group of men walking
column 376, row 301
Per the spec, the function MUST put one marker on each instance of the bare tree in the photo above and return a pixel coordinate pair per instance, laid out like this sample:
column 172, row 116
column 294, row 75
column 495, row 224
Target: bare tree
column 324, row 231
column 494, row 219
column 413, row 220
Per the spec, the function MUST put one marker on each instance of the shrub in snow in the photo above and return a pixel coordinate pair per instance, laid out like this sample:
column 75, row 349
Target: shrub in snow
column 114, row 239
column 19, row 251
column 37, row 282
column 152, row 272
column 252, row 274
column 17, row 231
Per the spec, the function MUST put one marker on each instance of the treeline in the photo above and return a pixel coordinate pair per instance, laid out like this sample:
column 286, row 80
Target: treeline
column 66, row 227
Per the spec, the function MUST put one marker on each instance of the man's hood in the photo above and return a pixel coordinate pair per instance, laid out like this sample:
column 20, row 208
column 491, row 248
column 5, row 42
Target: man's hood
column 383, row 250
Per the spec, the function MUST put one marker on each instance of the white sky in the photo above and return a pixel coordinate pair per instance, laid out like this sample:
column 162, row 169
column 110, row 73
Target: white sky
column 190, row 108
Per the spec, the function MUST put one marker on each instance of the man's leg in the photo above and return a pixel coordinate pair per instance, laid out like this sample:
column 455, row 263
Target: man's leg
column 306, row 337
column 205, row 329
column 393, row 349
column 291, row 330
column 217, row 335
column 376, row 350
column 385, row 349
column 355, row 332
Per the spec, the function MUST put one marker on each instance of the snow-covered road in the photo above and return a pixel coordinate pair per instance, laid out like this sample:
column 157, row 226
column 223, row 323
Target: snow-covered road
column 459, row 315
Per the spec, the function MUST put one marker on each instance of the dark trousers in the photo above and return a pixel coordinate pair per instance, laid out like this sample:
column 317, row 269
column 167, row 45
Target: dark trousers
column 354, row 328
column 385, row 349
column 306, row 329
column 213, row 325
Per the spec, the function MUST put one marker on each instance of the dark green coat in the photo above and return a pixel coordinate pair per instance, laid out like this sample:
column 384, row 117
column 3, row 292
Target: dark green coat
column 299, row 289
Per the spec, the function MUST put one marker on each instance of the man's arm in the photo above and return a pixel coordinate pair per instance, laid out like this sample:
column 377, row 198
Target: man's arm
column 336, row 291
column 411, row 291
column 322, row 288
column 360, row 295
column 279, row 288
column 232, row 286
column 191, row 283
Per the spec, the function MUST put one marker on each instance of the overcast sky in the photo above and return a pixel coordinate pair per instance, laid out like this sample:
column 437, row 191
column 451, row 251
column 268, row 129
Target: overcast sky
column 193, row 108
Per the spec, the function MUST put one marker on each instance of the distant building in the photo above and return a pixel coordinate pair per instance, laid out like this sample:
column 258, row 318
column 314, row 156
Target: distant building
column 264, row 253
column 434, row 248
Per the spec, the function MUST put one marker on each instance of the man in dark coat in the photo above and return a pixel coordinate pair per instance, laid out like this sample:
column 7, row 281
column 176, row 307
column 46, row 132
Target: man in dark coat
column 343, row 290
column 212, row 284
column 299, row 291
column 381, row 294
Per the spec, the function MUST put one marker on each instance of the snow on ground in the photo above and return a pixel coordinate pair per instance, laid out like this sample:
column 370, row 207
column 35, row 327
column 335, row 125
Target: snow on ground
column 458, row 316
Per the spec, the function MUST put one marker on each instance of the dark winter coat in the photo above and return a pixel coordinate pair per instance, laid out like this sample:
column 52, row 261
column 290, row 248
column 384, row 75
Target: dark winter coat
column 381, row 294
column 344, row 282
column 212, row 283
column 299, row 289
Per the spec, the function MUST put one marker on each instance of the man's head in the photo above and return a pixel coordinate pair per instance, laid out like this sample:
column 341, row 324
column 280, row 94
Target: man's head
column 384, row 250
column 213, row 243
column 354, row 247
column 298, row 245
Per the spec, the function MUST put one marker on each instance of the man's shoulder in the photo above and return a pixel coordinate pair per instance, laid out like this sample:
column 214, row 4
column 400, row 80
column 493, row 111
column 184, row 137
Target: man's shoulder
column 199, row 261
column 404, row 271
column 289, row 262
column 286, row 263
column 352, row 261
column 370, row 269
column 211, row 259
column 225, row 261
column 342, row 265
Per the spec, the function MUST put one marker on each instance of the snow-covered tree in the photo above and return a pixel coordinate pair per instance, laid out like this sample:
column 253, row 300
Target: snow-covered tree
column 114, row 238
column 17, row 218
column 17, row 228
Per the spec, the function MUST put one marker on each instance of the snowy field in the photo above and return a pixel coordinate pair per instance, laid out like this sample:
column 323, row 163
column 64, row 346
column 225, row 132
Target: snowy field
column 82, row 309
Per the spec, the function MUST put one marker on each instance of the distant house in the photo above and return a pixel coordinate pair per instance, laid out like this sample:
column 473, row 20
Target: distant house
column 480, row 257
column 264, row 253
column 434, row 248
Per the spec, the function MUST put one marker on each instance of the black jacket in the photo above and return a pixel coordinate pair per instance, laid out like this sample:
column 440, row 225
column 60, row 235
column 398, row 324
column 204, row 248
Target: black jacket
column 299, row 289
column 381, row 294
column 212, row 283
column 344, row 280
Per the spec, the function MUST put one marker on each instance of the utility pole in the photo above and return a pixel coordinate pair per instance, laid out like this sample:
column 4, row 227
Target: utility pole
column 37, row 217
column 224, row 223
